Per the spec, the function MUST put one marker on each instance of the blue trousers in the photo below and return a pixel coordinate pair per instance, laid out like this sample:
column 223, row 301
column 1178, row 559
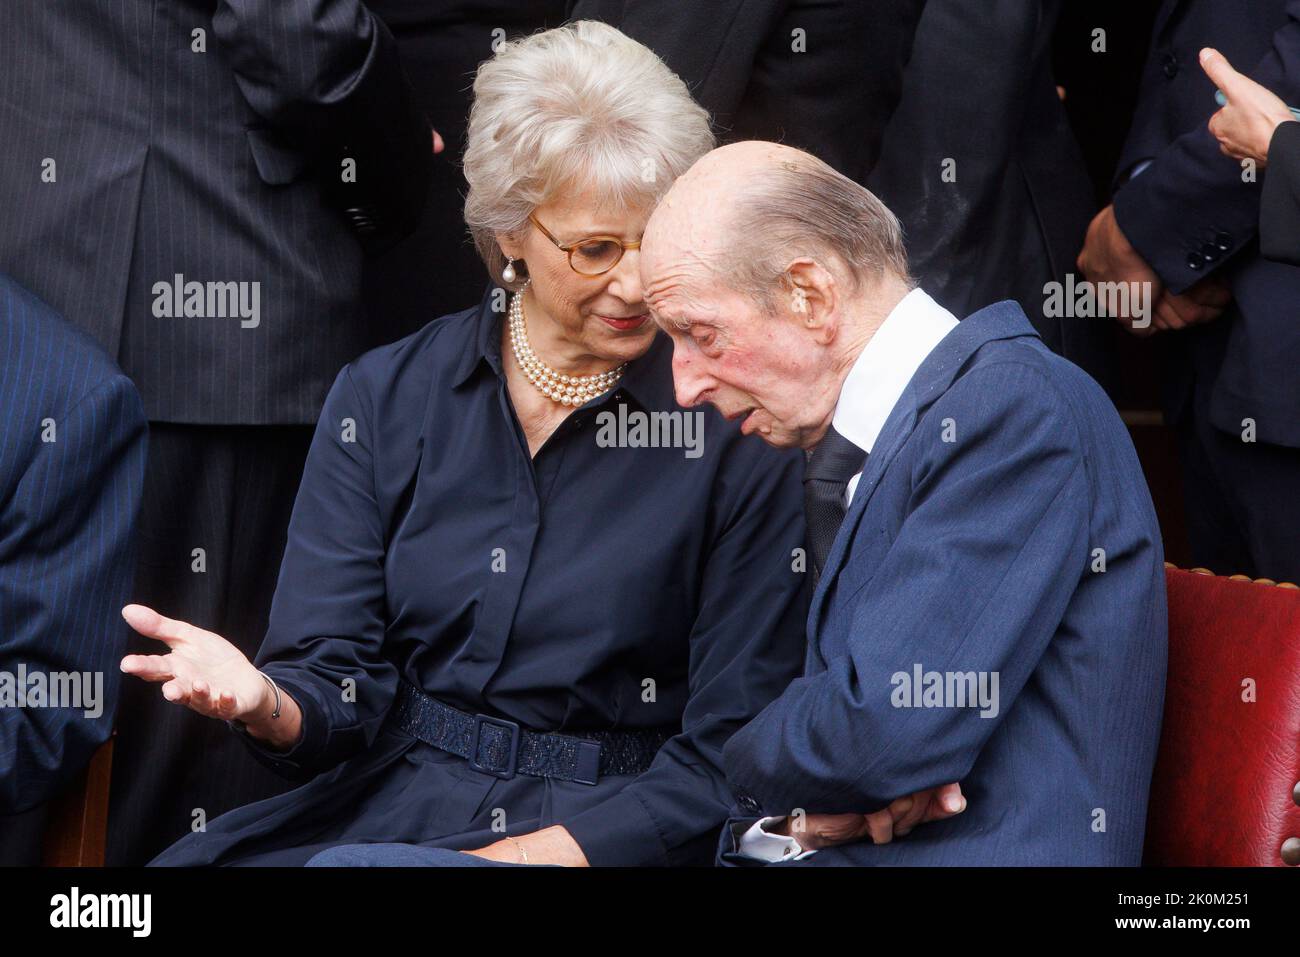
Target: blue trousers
column 398, row 855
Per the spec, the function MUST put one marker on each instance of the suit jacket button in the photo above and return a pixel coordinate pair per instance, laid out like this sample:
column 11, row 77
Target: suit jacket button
column 748, row 804
column 1223, row 241
column 1170, row 66
column 361, row 218
column 1195, row 261
column 1210, row 251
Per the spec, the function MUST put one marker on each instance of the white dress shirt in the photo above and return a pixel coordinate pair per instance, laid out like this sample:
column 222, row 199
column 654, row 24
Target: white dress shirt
column 870, row 391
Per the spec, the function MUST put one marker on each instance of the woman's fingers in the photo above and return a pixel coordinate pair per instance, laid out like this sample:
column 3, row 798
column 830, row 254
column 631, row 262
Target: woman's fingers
column 225, row 705
column 209, row 702
column 148, row 667
column 175, row 691
column 199, row 698
column 153, row 625
column 167, row 630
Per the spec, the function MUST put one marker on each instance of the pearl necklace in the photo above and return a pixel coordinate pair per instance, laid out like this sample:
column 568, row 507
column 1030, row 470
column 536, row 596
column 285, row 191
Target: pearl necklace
column 564, row 389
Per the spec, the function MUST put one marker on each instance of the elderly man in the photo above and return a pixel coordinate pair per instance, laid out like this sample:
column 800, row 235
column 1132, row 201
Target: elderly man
column 989, row 606
column 72, row 468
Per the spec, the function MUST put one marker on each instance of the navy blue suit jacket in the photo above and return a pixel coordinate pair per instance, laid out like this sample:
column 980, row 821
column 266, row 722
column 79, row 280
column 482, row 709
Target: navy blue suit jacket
column 72, row 458
column 1190, row 214
column 971, row 546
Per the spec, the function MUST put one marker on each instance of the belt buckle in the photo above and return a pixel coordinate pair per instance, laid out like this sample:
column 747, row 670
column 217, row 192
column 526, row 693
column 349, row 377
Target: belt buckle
column 479, row 721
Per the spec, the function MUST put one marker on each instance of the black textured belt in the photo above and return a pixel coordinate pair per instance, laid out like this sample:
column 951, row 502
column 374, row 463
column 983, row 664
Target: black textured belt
column 502, row 748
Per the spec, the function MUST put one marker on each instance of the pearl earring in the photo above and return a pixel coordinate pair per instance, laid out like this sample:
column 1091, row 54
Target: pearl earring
column 509, row 274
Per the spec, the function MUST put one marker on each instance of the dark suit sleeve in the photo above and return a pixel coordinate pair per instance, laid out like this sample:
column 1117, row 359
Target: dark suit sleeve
column 326, row 78
column 982, row 127
column 977, row 579
column 294, row 61
column 66, row 566
column 746, row 645
column 1279, row 212
column 1192, row 194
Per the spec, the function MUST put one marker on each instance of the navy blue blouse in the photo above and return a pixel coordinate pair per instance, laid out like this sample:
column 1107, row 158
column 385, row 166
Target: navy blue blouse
column 589, row 588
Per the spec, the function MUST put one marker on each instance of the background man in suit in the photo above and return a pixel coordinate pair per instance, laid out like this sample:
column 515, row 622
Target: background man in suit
column 1185, row 219
column 436, row 271
column 986, row 176
column 822, row 75
column 991, row 609
column 981, row 167
column 72, row 461
column 188, row 181
column 1255, row 124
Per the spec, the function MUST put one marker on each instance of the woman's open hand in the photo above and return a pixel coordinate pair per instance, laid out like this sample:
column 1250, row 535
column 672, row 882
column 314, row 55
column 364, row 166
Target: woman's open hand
column 201, row 670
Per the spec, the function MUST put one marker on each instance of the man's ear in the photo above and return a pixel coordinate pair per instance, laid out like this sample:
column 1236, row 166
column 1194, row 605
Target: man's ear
column 812, row 298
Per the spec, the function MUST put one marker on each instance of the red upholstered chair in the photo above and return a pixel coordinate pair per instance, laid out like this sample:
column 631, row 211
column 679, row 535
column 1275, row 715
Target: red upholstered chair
column 77, row 827
column 1225, row 790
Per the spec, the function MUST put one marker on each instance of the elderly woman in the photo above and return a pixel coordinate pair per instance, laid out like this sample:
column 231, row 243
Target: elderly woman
column 525, row 598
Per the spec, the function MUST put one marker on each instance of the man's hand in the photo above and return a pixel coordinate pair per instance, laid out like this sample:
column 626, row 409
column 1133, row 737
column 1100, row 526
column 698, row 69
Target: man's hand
column 1244, row 127
column 1201, row 303
column 816, row 831
column 1107, row 256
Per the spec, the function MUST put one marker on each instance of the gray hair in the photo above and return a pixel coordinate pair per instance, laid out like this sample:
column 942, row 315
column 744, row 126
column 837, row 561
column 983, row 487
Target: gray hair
column 580, row 106
column 803, row 207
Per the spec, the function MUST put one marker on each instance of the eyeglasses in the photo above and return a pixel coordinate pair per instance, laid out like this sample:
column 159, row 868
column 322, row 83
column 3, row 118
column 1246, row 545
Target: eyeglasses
column 592, row 256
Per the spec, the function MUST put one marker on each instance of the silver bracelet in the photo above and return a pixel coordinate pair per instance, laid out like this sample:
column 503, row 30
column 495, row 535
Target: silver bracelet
column 276, row 689
column 523, row 855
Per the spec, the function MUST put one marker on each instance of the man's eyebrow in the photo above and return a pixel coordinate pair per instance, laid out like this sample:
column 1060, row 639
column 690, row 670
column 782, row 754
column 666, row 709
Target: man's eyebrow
column 676, row 321
column 656, row 314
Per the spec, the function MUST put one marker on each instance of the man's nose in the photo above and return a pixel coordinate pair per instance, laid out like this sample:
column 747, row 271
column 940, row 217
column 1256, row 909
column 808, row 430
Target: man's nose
column 689, row 381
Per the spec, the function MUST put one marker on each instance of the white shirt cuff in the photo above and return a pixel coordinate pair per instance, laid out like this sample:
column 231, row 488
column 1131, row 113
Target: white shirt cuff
column 762, row 845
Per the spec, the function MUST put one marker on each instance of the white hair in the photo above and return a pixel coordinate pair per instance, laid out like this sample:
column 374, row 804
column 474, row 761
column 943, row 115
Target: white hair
column 580, row 106
column 803, row 207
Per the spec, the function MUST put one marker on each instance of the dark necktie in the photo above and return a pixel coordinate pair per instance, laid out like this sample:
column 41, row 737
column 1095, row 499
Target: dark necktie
column 833, row 462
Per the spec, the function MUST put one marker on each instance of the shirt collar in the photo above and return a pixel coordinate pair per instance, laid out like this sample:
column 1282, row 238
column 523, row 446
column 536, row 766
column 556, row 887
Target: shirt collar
column 648, row 379
column 485, row 349
column 885, row 366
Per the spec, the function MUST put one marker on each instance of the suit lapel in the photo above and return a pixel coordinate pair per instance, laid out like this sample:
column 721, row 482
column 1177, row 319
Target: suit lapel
column 1002, row 320
column 1165, row 16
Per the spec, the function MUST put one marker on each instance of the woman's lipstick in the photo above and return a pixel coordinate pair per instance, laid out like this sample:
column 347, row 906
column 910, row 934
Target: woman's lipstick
column 626, row 324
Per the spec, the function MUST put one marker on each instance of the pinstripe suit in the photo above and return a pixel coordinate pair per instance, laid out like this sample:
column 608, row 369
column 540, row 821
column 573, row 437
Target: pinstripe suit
column 72, row 460
column 213, row 165
column 152, row 144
